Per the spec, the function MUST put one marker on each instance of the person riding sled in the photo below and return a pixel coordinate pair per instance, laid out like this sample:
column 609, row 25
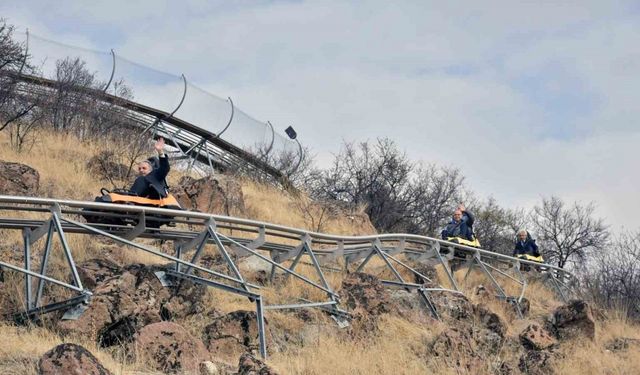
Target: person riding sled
column 526, row 248
column 149, row 189
column 460, row 229
column 152, row 174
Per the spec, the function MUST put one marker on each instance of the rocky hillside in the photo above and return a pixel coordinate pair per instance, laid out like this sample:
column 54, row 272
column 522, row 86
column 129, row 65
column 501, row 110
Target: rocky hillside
column 135, row 325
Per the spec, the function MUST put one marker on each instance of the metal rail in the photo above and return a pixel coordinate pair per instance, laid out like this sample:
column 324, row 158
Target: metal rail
column 280, row 247
column 204, row 146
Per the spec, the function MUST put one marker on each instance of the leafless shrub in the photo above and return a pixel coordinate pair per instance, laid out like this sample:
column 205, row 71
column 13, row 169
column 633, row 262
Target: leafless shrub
column 568, row 233
column 612, row 276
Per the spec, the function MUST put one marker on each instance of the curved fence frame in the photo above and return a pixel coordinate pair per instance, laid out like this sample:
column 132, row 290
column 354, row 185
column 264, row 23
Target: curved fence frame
column 59, row 218
column 192, row 142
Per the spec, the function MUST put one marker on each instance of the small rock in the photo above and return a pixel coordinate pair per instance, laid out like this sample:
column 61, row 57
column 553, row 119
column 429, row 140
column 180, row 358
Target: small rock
column 535, row 337
column 621, row 344
column 457, row 348
column 536, row 363
column 208, row 368
column 490, row 320
column 254, row 264
column 70, row 359
column 250, row 365
column 481, row 291
column 364, row 291
column 170, row 348
column 524, row 306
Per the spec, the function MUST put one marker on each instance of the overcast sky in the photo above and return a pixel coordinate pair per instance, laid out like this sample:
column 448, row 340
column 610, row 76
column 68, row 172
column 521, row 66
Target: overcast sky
column 528, row 100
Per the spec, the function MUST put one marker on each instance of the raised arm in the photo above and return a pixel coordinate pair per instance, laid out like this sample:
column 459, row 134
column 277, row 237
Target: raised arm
column 467, row 217
column 163, row 169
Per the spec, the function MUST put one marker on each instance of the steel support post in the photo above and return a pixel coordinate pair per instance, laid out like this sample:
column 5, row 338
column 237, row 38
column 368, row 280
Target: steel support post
column 421, row 292
column 43, row 265
column 225, row 254
column 178, row 247
column 445, row 265
column 26, row 233
column 295, row 274
column 557, row 287
column 488, row 273
column 66, row 249
column 151, row 251
column 261, row 331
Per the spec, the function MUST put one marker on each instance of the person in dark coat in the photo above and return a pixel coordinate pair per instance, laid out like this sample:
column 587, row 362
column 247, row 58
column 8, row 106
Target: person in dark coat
column 525, row 245
column 460, row 226
column 151, row 180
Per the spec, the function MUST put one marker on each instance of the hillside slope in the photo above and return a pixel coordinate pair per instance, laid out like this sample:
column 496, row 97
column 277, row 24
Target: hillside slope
column 390, row 334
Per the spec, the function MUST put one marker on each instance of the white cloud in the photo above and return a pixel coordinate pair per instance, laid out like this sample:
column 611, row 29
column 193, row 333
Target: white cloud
column 529, row 99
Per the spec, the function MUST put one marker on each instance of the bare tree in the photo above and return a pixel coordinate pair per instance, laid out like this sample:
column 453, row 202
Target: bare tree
column 493, row 226
column 612, row 277
column 15, row 104
column 435, row 193
column 315, row 213
column 377, row 176
column 568, row 233
column 70, row 99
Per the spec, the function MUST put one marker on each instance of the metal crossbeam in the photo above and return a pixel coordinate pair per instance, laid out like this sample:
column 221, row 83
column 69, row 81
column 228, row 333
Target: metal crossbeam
column 204, row 230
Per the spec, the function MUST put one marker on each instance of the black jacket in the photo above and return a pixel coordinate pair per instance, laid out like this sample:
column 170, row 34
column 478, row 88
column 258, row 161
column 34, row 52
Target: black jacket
column 153, row 185
column 462, row 229
column 527, row 246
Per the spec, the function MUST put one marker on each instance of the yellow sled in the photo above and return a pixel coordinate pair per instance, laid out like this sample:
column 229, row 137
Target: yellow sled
column 462, row 241
column 538, row 259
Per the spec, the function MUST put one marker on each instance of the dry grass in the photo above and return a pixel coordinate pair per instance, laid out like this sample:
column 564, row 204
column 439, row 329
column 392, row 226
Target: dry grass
column 591, row 357
column 21, row 347
column 270, row 204
column 397, row 349
column 297, row 347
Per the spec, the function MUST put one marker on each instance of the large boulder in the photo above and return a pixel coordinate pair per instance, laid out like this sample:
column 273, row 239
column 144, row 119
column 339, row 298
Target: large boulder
column 18, row 179
column 452, row 306
column 490, row 320
column 219, row 195
column 130, row 299
column 107, row 167
column 70, row 359
column 429, row 271
column 466, row 346
column 250, row 365
column 535, row 337
column 366, row 298
column 365, row 292
column 169, row 348
column 574, row 320
column 469, row 341
column 232, row 334
column 94, row 271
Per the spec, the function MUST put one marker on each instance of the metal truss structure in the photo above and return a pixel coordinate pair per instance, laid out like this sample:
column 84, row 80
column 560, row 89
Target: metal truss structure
column 203, row 143
column 282, row 248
